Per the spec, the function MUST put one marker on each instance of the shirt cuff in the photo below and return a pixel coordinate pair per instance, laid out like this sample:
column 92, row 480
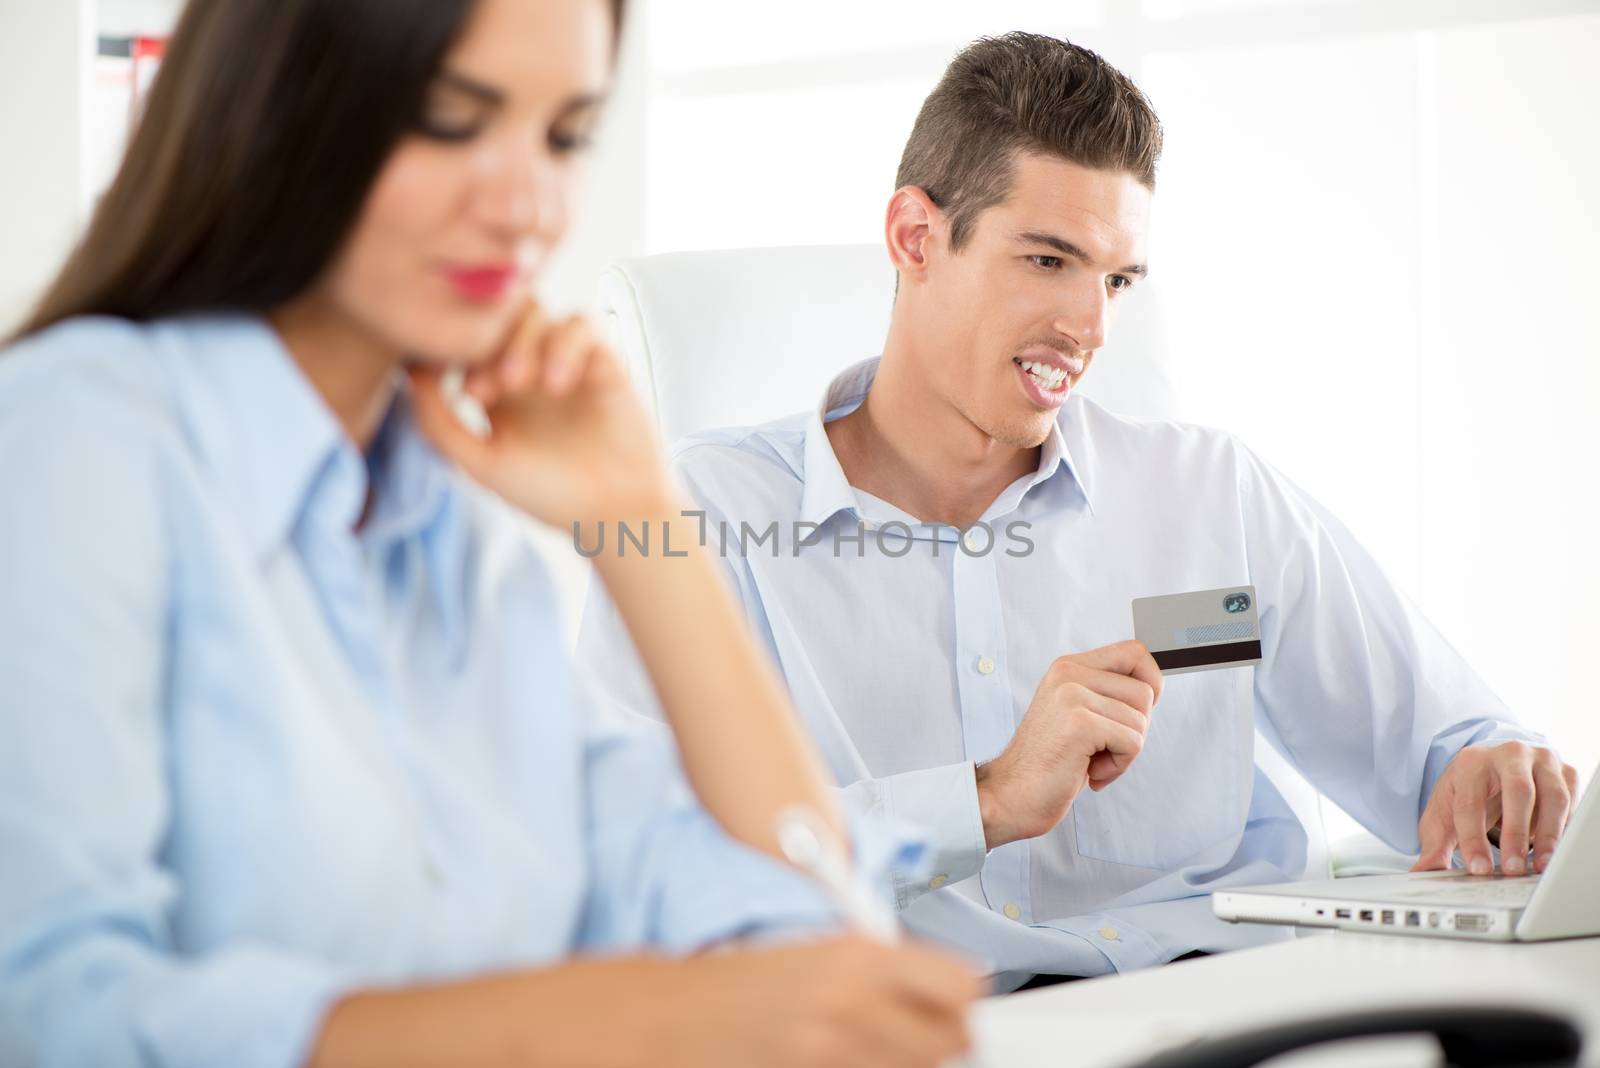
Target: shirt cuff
column 1124, row 946
column 754, row 897
column 1508, row 732
column 942, row 803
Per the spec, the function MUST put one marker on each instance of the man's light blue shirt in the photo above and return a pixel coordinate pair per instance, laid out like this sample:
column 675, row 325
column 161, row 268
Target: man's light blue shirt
column 252, row 757
column 912, row 652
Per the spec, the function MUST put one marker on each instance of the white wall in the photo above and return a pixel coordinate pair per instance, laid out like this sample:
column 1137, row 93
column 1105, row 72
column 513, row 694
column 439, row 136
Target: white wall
column 1389, row 298
column 63, row 113
column 45, row 51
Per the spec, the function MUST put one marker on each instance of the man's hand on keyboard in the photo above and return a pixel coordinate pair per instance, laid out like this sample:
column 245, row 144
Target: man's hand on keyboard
column 1525, row 791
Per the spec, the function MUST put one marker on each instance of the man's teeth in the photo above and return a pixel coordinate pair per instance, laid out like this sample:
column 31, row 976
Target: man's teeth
column 1047, row 376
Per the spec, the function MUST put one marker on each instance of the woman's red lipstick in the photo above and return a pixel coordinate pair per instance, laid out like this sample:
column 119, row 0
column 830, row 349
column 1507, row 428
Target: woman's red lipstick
column 482, row 282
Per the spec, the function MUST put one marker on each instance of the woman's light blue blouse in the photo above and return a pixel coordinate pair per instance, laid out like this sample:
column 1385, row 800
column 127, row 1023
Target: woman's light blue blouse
column 251, row 758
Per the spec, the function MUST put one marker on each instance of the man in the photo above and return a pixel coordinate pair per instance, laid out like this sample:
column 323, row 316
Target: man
column 955, row 520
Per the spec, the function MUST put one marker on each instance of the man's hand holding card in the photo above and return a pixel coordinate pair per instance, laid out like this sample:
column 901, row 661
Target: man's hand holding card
column 1084, row 727
column 1090, row 714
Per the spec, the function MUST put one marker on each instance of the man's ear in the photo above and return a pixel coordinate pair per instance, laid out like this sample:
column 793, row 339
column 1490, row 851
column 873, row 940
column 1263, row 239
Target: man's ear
column 912, row 221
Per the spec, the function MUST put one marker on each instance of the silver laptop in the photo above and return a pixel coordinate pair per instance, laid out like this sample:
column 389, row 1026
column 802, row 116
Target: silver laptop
column 1563, row 902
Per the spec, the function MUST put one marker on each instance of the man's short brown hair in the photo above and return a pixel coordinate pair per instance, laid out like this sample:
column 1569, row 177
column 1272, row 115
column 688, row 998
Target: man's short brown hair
column 1023, row 92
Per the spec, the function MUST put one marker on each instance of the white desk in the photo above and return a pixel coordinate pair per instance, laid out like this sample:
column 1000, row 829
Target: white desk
column 1118, row 1020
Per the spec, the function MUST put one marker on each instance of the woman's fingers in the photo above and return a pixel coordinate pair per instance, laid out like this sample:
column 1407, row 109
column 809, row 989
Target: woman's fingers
column 544, row 355
column 936, row 979
column 566, row 353
column 519, row 365
column 917, row 1011
column 437, row 420
column 515, row 365
column 480, row 383
column 540, row 355
column 904, row 1036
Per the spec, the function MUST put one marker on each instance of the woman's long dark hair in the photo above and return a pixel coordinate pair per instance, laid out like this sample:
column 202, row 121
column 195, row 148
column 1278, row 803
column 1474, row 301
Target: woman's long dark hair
column 264, row 129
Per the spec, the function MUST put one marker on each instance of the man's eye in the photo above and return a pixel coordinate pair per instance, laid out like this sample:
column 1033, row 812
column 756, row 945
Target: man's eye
column 1048, row 263
column 1119, row 282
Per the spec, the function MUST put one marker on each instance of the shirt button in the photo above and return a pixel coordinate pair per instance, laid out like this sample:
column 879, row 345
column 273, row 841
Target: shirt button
column 1011, row 911
column 1108, row 933
column 971, row 541
column 867, row 524
column 937, row 881
column 986, row 665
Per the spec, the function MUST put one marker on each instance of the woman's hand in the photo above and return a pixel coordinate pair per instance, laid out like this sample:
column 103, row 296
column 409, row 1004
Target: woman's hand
column 570, row 444
column 833, row 1004
column 569, row 441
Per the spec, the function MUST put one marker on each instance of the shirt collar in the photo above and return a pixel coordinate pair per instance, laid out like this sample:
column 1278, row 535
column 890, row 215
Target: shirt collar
column 415, row 497
column 412, row 481
column 257, row 423
column 282, row 456
column 826, row 490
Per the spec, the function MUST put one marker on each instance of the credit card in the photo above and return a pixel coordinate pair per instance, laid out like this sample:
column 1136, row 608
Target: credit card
column 1200, row 631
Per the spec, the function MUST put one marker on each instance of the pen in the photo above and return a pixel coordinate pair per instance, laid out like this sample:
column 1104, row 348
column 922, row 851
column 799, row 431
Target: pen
column 810, row 846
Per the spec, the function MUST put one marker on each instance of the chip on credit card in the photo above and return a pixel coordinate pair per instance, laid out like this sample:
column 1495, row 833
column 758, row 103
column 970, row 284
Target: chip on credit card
column 1199, row 631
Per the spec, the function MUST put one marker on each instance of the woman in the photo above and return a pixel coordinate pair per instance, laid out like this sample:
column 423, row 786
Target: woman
column 291, row 767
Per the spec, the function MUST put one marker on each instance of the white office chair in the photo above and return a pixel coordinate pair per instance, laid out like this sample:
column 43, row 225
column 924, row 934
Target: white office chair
column 743, row 336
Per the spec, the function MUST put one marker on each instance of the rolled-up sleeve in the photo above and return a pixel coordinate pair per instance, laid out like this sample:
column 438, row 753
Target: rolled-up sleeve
column 663, row 872
column 88, row 970
column 1356, row 686
column 941, row 803
column 927, row 820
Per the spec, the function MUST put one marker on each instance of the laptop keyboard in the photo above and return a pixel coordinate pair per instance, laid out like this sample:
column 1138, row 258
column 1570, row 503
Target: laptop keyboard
column 1473, row 889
